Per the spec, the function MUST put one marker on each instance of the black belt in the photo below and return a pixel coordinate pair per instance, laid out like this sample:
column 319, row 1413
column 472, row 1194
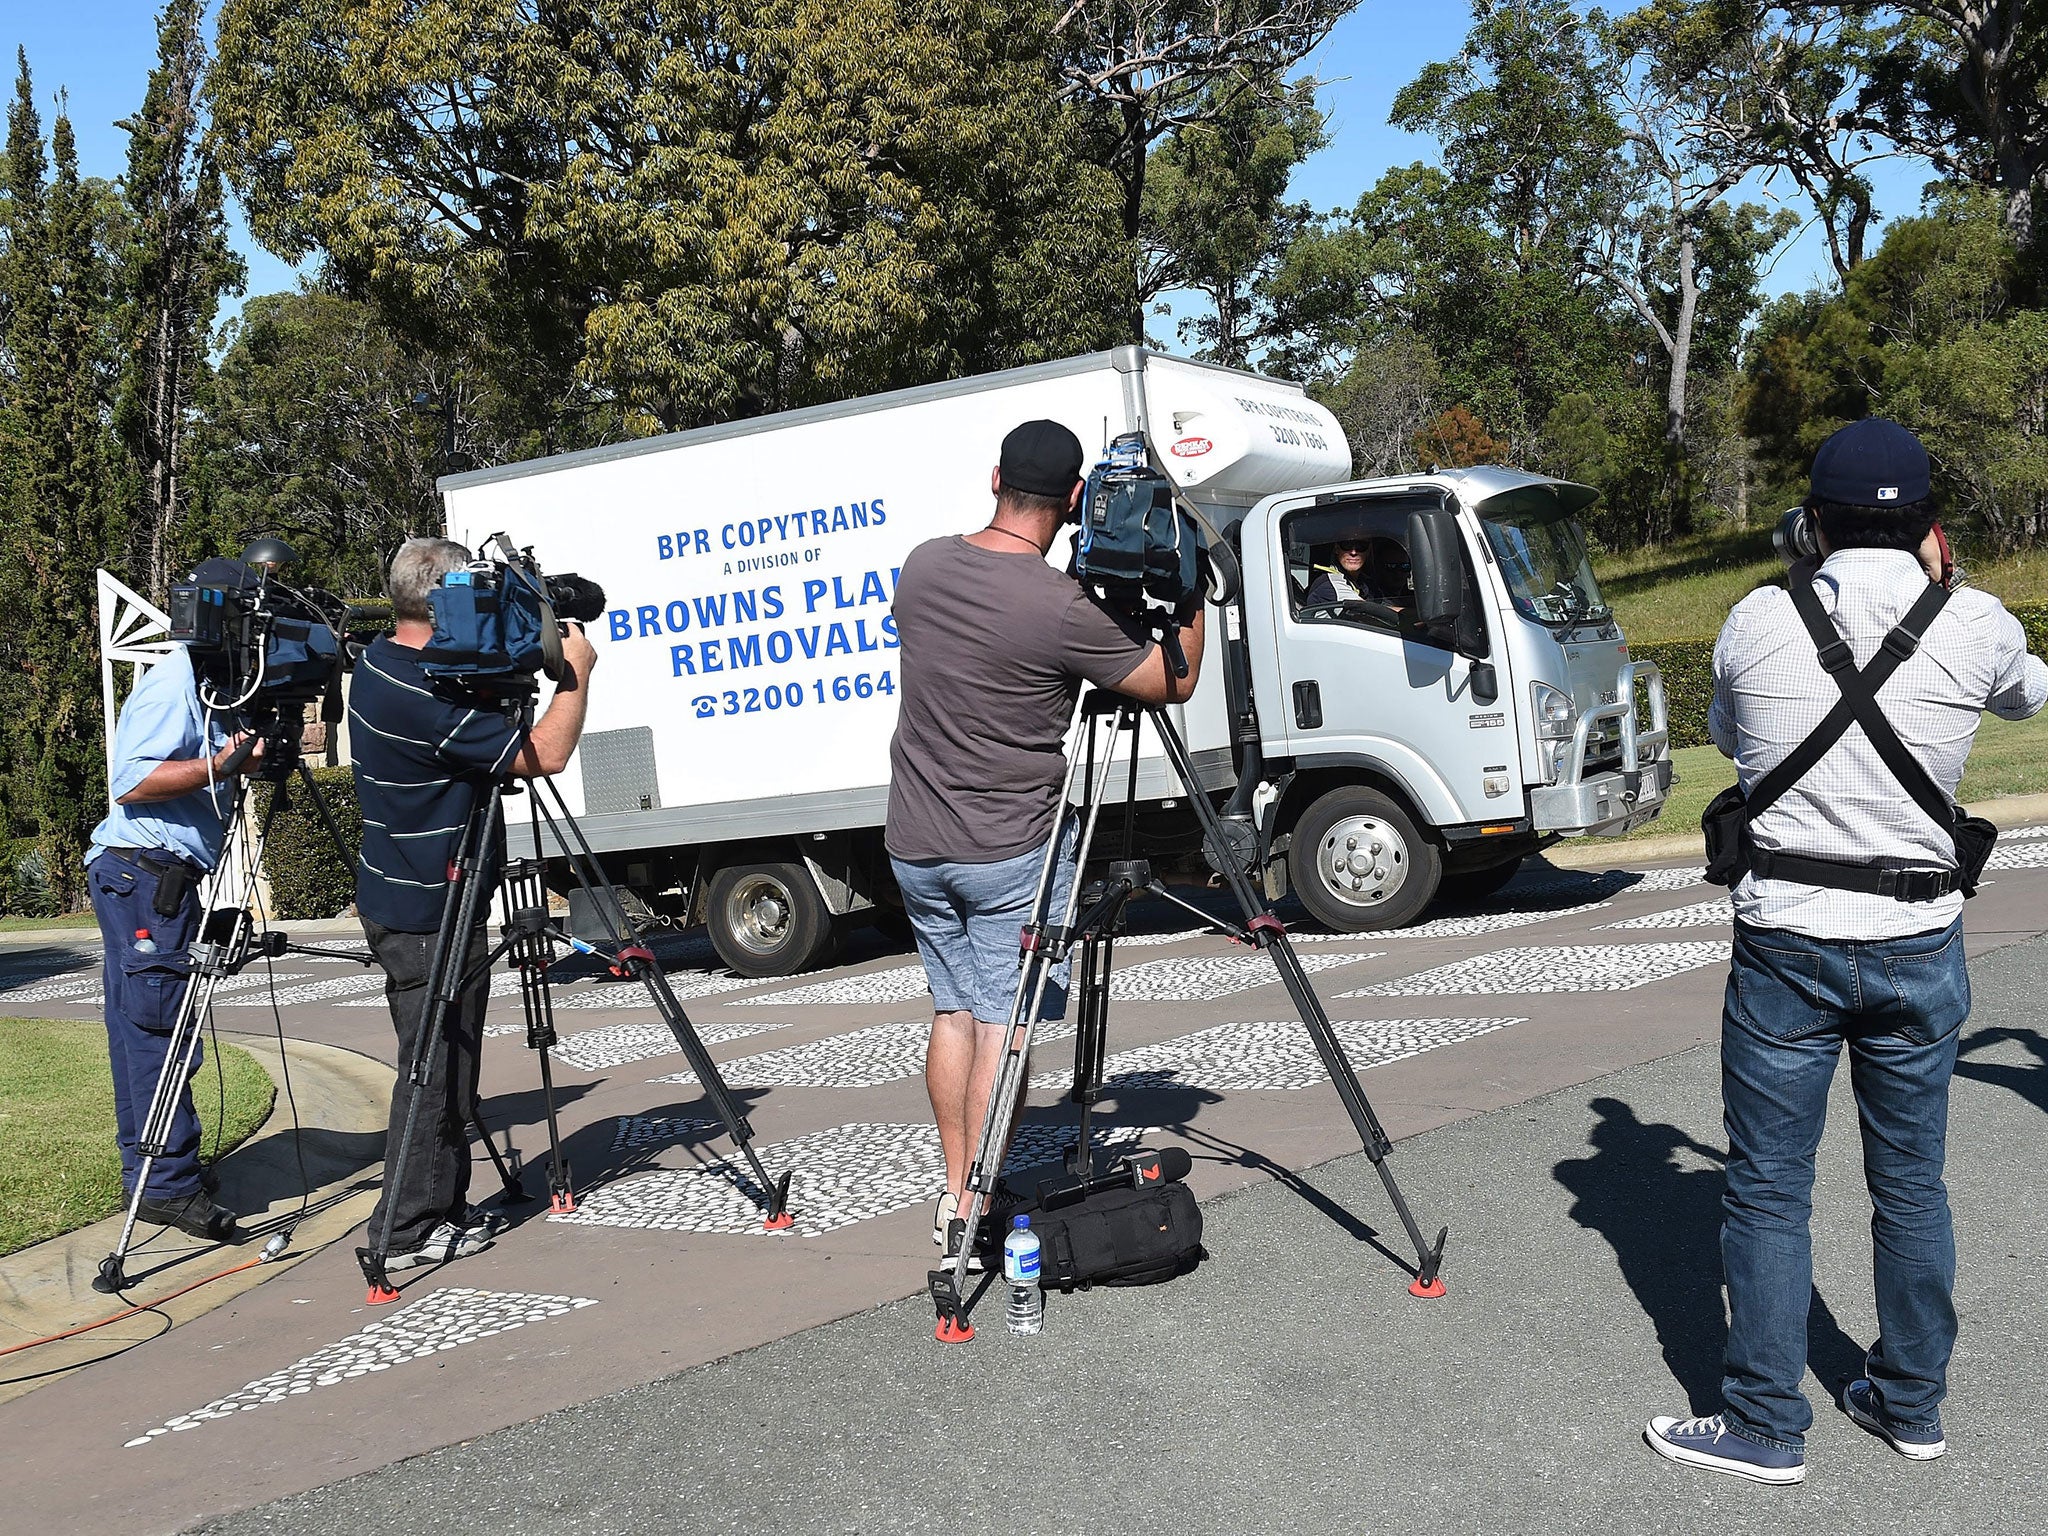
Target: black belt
column 1869, row 880
column 155, row 863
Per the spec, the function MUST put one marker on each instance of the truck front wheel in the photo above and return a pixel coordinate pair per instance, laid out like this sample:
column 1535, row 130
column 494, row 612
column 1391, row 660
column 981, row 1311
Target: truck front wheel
column 1358, row 861
column 768, row 919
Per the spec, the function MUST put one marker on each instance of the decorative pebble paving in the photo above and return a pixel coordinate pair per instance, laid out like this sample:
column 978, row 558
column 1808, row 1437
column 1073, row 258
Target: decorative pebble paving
column 1200, row 979
column 1559, row 968
column 1464, row 926
column 1701, row 914
column 634, row 1132
column 1232, row 1057
column 593, row 1050
column 444, row 1320
column 352, row 985
column 84, row 990
column 2022, row 855
column 846, row 1174
column 863, row 1058
column 897, row 984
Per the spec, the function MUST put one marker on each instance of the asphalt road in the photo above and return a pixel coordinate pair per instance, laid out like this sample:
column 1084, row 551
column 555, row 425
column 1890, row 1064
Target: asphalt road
column 1292, row 1384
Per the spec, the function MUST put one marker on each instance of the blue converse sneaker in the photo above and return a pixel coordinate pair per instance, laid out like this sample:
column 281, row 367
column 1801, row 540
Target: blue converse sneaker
column 1914, row 1442
column 1710, row 1443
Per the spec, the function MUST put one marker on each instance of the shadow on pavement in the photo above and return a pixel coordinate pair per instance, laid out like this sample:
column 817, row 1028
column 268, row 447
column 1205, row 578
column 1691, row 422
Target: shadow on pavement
column 1664, row 1223
column 2029, row 1082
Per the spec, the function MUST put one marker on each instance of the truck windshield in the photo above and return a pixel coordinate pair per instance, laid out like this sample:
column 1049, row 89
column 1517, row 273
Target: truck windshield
column 1549, row 574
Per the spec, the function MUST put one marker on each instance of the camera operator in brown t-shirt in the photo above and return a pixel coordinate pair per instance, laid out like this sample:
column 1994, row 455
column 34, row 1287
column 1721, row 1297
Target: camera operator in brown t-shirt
column 996, row 646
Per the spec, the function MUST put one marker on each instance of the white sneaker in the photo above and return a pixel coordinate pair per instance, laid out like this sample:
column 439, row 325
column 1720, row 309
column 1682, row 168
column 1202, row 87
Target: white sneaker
column 949, row 1207
column 445, row 1242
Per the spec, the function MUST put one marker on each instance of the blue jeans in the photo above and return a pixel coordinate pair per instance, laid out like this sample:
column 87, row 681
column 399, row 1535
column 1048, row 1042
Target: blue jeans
column 1791, row 1003
column 142, row 996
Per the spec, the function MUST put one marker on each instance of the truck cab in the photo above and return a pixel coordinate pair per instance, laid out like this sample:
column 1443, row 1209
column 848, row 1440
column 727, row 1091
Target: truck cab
column 1438, row 689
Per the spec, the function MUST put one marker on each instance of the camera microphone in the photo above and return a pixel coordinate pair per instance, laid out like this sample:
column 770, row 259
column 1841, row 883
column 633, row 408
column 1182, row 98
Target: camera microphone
column 1140, row 1170
column 576, row 597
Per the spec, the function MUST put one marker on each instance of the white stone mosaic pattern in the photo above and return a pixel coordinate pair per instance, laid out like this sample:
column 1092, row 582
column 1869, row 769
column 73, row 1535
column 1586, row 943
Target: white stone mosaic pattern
column 2017, row 833
column 572, row 993
column 1230, row 1058
column 1559, row 968
column 1718, row 913
column 1202, row 978
column 495, row 1031
column 2021, row 855
column 593, row 1050
column 436, row 1323
column 59, row 991
column 1468, row 925
column 862, row 1058
column 1148, row 940
column 633, row 1133
column 85, row 990
column 846, row 1174
column 1681, row 878
column 353, row 985
column 898, row 984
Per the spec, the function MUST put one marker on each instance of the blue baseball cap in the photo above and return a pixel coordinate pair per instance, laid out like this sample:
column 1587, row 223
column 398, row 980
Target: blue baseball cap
column 1871, row 463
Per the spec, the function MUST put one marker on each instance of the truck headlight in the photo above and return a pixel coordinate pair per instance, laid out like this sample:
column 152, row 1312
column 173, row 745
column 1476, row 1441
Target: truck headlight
column 1556, row 715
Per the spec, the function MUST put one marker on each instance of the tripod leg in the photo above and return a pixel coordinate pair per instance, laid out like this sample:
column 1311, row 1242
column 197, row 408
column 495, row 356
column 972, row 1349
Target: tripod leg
column 640, row 964
column 1040, row 954
column 514, row 1190
column 1272, row 938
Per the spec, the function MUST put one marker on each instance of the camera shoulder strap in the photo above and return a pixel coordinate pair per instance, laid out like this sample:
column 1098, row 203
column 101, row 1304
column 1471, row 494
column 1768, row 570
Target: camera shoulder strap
column 1859, row 699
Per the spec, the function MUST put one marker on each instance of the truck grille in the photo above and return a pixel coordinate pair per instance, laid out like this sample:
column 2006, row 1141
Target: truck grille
column 1603, row 747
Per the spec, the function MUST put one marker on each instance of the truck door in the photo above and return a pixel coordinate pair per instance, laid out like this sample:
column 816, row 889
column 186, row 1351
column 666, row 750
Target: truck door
column 1357, row 682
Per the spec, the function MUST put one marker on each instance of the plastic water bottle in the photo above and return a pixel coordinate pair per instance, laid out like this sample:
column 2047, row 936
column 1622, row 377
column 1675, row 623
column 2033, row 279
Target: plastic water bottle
column 145, row 945
column 1026, row 1311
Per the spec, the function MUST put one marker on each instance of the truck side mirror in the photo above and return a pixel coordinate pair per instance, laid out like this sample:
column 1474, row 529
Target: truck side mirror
column 1437, row 565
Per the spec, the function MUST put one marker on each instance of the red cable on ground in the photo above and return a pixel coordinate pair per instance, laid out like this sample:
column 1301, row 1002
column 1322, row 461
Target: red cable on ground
column 72, row 1333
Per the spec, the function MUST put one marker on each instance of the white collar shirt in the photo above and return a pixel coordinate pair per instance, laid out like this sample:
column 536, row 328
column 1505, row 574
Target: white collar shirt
column 1770, row 693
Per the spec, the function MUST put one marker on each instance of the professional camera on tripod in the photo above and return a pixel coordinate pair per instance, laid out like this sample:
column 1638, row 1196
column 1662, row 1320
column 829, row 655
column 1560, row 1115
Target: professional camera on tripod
column 497, row 630
column 261, row 653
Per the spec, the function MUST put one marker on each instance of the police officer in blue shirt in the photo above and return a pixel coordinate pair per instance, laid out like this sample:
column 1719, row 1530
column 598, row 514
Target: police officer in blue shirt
column 172, row 797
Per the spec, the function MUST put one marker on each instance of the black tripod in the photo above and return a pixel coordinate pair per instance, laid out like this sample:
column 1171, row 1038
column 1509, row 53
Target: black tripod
column 1095, row 930
column 228, row 941
column 531, row 941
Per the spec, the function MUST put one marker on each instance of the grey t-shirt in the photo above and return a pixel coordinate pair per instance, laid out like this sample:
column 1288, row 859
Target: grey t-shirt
column 995, row 648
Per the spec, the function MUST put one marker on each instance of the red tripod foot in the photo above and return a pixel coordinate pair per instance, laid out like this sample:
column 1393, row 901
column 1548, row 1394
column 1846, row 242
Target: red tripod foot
column 562, row 1202
column 953, row 1330
column 1428, row 1289
column 781, row 1221
column 380, row 1296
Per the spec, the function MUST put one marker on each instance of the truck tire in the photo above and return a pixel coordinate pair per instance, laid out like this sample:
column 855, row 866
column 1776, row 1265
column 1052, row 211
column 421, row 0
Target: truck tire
column 768, row 919
column 1476, row 884
column 1358, row 861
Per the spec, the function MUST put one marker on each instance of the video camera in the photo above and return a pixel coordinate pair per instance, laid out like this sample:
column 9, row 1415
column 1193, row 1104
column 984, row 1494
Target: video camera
column 261, row 650
column 497, row 623
column 1137, row 538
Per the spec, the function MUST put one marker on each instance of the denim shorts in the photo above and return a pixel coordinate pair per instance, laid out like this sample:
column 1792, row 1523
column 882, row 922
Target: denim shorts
column 968, row 918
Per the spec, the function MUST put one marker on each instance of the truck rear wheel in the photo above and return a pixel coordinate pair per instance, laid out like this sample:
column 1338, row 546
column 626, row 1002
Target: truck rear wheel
column 1358, row 861
column 768, row 919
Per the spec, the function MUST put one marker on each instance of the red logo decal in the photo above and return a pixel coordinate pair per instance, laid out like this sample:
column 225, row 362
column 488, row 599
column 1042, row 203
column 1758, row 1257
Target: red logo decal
column 1191, row 448
column 1152, row 1172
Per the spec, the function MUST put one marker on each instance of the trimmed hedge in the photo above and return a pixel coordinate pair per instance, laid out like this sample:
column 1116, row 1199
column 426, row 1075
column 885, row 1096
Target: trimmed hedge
column 1688, row 668
column 308, row 876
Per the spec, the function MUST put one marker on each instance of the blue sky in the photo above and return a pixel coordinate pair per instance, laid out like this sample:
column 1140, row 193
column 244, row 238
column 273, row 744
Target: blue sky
column 100, row 52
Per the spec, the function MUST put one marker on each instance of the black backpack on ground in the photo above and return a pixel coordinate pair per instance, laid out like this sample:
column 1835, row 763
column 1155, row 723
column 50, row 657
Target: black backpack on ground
column 1726, row 821
column 1120, row 1237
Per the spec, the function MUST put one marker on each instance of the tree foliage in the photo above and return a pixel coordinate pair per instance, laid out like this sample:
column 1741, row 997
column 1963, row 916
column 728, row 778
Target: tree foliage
column 679, row 211
column 62, row 481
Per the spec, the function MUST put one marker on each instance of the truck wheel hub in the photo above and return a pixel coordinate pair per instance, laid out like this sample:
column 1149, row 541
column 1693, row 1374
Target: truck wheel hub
column 1364, row 861
column 763, row 910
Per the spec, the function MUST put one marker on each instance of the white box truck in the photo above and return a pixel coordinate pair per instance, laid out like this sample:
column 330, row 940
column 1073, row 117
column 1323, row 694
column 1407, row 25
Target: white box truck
column 734, row 767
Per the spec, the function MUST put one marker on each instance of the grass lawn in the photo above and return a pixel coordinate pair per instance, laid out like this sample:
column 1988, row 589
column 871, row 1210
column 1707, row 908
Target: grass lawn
column 1684, row 589
column 2009, row 758
column 37, row 924
column 59, row 1166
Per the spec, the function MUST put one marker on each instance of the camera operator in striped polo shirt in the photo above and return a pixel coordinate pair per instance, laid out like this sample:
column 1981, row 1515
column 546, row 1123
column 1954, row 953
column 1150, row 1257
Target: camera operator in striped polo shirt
column 422, row 755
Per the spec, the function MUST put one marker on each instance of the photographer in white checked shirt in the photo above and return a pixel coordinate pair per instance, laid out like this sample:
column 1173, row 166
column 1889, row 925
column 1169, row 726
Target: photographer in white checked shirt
column 1849, row 701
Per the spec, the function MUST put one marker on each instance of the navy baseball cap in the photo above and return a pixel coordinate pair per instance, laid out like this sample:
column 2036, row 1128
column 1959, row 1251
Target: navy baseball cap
column 1871, row 463
column 1040, row 458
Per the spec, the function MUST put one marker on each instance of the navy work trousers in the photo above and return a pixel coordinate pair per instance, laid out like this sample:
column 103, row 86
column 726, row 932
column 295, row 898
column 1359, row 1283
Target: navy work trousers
column 143, row 991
